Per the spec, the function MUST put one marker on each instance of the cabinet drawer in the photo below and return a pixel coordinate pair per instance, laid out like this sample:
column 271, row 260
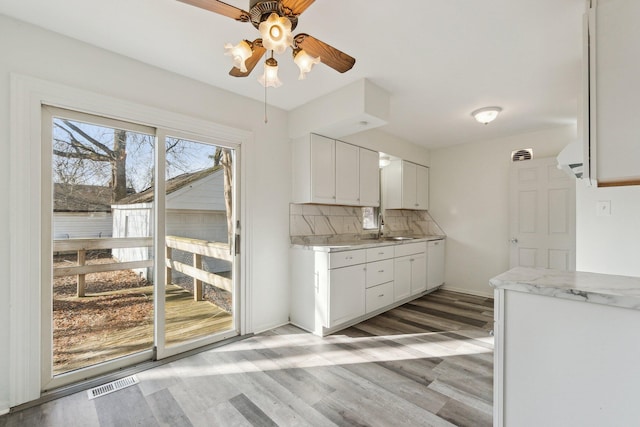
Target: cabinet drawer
column 346, row 258
column 381, row 252
column 410, row 248
column 379, row 296
column 379, row 272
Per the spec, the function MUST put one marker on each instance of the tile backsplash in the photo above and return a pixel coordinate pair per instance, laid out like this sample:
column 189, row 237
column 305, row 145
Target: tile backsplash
column 328, row 222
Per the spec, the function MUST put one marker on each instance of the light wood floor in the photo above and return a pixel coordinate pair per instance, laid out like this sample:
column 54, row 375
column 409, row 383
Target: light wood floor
column 428, row 362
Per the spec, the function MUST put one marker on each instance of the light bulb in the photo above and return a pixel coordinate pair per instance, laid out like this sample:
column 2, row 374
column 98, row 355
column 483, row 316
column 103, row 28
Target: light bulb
column 240, row 53
column 269, row 77
column 276, row 33
column 305, row 62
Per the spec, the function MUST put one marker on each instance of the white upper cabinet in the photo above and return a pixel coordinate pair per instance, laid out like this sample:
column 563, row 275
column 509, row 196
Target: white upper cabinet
column 369, row 177
column 611, row 127
column 405, row 185
column 347, row 174
column 333, row 172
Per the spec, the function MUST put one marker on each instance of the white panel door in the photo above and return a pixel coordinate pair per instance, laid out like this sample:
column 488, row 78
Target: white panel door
column 542, row 215
column 323, row 173
column 347, row 174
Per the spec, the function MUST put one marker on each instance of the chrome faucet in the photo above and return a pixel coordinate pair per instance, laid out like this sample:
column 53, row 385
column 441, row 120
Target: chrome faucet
column 380, row 226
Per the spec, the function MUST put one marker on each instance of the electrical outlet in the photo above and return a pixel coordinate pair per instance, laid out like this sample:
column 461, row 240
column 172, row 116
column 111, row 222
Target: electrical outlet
column 603, row 208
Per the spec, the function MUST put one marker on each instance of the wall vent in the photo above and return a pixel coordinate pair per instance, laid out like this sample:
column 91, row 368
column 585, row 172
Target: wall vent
column 112, row 386
column 520, row 155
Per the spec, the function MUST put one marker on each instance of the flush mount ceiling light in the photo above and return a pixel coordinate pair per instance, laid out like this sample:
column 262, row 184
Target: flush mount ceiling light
column 486, row 115
column 275, row 19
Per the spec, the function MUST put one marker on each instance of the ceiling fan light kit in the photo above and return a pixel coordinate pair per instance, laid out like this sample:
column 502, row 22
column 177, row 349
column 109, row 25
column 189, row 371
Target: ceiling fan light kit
column 275, row 20
column 486, row 115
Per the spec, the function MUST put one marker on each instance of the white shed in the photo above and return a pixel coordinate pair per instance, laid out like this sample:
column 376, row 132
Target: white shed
column 195, row 208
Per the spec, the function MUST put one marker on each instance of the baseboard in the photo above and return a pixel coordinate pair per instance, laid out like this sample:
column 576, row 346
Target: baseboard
column 261, row 329
column 467, row 291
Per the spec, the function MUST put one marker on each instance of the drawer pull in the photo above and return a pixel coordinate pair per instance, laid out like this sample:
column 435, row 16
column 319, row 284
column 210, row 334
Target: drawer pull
column 380, row 296
column 380, row 271
column 349, row 257
column 380, row 253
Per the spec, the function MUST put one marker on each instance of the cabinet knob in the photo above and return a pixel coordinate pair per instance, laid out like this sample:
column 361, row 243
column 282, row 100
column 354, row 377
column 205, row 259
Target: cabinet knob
column 380, row 253
column 380, row 296
column 380, row 271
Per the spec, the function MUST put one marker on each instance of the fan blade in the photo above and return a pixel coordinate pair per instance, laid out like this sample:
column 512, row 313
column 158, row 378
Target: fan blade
column 258, row 52
column 221, row 8
column 329, row 55
column 296, row 6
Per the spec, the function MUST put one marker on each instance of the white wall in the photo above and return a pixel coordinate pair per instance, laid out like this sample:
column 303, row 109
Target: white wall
column 608, row 244
column 31, row 51
column 469, row 199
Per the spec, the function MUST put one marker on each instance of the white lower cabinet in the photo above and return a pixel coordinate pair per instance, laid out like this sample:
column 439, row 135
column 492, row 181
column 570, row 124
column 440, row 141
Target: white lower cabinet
column 379, row 296
column 435, row 263
column 333, row 290
column 410, row 270
column 346, row 294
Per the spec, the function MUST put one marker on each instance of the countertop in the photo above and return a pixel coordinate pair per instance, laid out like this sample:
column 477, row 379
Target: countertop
column 617, row 291
column 362, row 243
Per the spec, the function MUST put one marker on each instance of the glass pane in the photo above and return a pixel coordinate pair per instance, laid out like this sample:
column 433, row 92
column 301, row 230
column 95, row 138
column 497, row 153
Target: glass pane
column 102, row 308
column 199, row 215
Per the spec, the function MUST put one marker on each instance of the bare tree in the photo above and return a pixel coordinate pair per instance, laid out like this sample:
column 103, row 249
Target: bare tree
column 79, row 145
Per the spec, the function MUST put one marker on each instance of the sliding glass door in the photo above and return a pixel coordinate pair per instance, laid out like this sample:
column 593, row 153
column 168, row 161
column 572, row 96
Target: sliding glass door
column 135, row 267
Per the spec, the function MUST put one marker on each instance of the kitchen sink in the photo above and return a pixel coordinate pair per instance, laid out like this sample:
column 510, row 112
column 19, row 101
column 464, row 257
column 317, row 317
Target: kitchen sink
column 399, row 238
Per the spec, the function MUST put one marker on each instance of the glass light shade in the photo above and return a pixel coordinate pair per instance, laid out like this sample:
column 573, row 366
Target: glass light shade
column 240, row 53
column 486, row 115
column 276, row 33
column 305, row 62
column 270, row 76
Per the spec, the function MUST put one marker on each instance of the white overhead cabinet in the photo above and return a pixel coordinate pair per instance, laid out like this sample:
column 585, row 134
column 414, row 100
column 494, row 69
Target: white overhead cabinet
column 328, row 171
column 405, row 185
column 610, row 130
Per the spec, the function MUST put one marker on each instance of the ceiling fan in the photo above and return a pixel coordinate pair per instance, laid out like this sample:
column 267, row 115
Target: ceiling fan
column 275, row 19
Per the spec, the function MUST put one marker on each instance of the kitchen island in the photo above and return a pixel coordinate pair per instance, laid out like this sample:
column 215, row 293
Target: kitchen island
column 567, row 348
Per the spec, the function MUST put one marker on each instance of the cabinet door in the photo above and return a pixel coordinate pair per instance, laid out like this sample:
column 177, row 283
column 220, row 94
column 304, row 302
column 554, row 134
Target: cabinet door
column 418, row 273
column 614, row 94
column 346, row 294
column 323, row 181
column 347, row 174
column 402, row 278
column 422, row 187
column 435, row 264
column 409, row 185
column 369, row 178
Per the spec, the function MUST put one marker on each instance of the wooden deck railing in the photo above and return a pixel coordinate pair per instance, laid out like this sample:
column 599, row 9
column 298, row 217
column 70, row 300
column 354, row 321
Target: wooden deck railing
column 81, row 246
column 198, row 248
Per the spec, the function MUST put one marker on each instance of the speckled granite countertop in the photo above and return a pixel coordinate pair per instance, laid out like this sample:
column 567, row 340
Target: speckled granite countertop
column 617, row 291
column 336, row 246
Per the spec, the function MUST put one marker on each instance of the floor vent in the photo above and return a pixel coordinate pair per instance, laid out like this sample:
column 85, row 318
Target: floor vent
column 112, row 386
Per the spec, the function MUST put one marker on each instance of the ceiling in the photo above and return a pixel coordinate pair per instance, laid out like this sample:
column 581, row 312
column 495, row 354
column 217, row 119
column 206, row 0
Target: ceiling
column 439, row 59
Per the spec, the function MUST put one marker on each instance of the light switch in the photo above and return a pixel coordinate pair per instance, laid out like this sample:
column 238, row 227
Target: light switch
column 603, row 208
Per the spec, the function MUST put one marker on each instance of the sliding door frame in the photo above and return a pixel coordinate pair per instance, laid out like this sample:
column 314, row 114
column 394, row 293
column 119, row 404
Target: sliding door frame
column 27, row 96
